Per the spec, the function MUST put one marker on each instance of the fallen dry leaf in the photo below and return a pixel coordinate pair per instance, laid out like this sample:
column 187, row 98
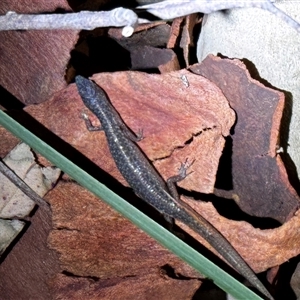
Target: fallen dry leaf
column 260, row 185
column 9, row 230
column 13, row 202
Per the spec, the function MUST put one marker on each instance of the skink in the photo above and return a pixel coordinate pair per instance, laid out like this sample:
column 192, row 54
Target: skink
column 148, row 184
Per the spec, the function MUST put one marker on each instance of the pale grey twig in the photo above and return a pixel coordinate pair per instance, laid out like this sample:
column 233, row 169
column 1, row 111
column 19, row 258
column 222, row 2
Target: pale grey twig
column 18, row 182
column 119, row 17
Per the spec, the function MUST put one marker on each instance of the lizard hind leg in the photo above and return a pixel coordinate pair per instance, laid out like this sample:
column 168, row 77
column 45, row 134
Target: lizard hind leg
column 171, row 183
column 182, row 174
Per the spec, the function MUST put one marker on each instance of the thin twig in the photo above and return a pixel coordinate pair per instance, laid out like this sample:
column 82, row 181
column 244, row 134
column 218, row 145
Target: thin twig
column 88, row 20
column 17, row 181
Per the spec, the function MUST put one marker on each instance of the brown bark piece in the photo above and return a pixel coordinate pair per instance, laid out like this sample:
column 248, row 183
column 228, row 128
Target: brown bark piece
column 147, row 26
column 171, row 65
column 32, row 63
column 32, row 6
column 260, row 184
column 7, row 141
column 171, row 116
column 30, row 263
column 147, row 48
column 187, row 40
column 140, row 30
column 147, row 57
column 295, row 281
column 94, row 241
column 154, row 35
column 261, row 249
column 152, row 286
column 175, row 32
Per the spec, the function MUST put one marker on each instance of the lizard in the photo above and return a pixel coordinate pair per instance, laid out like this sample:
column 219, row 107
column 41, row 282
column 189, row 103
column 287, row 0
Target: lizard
column 145, row 181
column 170, row 9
